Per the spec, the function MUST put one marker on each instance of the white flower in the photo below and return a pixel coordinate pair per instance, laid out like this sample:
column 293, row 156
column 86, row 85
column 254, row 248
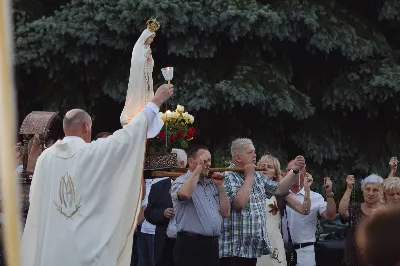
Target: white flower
column 174, row 115
column 168, row 114
column 162, row 116
column 180, row 108
column 185, row 115
column 191, row 119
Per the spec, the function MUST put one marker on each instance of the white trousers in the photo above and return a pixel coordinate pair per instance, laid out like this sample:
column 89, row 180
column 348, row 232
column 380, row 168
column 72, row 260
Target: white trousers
column 306, row 256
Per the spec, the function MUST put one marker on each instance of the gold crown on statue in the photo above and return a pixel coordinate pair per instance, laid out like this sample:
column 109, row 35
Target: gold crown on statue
column 153, row 25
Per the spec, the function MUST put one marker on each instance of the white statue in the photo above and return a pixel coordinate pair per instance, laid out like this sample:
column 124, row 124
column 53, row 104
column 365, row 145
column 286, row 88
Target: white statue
column 140, row 86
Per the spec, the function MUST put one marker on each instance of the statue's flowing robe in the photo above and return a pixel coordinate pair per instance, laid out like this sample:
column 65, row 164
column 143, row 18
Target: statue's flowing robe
column 140, row 84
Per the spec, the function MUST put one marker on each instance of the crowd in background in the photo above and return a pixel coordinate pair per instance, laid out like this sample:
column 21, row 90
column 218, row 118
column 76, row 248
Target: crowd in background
column 248, row 218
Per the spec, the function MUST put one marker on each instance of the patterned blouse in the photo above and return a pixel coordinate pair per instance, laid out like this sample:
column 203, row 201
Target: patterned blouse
column 244, row 233
column 351, row 255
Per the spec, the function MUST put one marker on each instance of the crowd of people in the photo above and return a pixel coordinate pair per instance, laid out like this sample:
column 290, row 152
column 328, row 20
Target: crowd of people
column 251, row 217
column 237, row 218
column 258, row 212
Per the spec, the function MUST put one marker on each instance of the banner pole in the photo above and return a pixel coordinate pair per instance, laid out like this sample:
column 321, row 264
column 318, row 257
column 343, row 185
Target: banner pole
column 9, row 185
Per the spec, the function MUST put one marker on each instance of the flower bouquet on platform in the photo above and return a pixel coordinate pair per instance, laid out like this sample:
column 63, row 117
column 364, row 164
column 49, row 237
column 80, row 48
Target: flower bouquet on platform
column 176, row 132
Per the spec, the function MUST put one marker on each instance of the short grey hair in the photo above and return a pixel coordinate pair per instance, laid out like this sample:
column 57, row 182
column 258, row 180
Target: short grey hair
column 237, row 145
column 181, row 155
column 371, row 179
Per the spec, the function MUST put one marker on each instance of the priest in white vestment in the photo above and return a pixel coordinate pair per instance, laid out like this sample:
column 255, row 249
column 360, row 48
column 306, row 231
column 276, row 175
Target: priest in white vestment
column 85, row 196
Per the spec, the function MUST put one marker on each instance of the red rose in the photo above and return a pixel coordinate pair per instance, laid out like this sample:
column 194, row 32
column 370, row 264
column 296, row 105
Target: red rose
column 188, row 135
column 162, row 136
column 179, row 134
column 192, row 131
column 172, row 139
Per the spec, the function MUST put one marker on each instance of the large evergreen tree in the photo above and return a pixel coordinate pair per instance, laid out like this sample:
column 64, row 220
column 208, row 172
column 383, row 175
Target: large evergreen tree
column 319, row 78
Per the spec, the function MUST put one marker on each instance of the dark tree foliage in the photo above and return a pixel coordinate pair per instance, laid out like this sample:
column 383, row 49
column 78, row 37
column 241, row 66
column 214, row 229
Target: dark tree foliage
column 319, row 78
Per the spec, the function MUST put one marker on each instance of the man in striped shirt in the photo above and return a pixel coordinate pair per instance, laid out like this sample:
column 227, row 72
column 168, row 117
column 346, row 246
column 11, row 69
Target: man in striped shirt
column 244, row 236
column 200, row 203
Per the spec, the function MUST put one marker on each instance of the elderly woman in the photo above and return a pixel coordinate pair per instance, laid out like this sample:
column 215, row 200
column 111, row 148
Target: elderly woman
column 354, row 213
column 273, row 171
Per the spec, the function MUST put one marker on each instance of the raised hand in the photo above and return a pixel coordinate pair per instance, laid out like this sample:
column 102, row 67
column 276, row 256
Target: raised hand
column 249, row 170
column 308, row 180
column 205, row 162
column 217, row 179
column 393, row 164
column 163, row 93
column 299, row 162
column 205, row 159
column 328, row 185
column 350, row 181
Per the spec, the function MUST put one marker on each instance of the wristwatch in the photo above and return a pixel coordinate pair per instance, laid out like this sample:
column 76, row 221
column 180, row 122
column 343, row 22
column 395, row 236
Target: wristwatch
column 295, row 171
column 330, row 195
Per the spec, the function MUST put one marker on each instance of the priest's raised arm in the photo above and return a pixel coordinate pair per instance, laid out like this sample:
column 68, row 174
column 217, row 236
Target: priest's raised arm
column 85, row 196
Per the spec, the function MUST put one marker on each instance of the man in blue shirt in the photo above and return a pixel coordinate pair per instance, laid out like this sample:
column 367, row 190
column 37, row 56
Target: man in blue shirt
column 199, row 205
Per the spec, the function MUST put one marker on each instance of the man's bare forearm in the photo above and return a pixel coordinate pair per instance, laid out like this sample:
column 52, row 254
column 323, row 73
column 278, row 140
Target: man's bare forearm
column 243, row 194
column 224, row 202
column 285, row 184
column 344, row 204
column 303, row 208
column 330, row 208
column 187, row 188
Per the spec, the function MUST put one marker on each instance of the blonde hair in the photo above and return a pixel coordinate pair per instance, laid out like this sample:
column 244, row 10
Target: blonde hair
column 237, row 145
column 391, row 183
column 275, row 162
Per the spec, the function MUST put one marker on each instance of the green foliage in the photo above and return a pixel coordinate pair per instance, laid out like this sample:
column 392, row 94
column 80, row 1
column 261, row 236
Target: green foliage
column 319, row 78
column 390, row 10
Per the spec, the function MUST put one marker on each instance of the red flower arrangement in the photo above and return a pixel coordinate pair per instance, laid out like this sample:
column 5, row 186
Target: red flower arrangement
column 176, row 132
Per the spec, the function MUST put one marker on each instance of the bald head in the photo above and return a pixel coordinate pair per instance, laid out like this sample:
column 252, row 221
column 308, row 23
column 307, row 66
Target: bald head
column 78, row 123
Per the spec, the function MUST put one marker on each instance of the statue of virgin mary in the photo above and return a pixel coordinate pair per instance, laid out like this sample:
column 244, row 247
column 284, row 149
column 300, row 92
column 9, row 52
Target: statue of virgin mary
column 140, row 85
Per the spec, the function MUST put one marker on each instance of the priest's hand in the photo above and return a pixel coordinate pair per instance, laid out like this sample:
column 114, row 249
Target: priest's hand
column 169, row 213
column 163, row 93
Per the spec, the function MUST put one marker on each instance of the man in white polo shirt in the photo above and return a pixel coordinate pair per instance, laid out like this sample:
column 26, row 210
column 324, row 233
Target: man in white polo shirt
column 303, row 227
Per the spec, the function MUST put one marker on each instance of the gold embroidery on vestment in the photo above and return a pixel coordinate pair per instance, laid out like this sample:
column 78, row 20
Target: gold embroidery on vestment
column 66, row 200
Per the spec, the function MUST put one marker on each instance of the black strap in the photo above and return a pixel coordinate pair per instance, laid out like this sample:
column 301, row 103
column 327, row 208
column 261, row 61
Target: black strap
column 288, row 229
column 303, row 245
